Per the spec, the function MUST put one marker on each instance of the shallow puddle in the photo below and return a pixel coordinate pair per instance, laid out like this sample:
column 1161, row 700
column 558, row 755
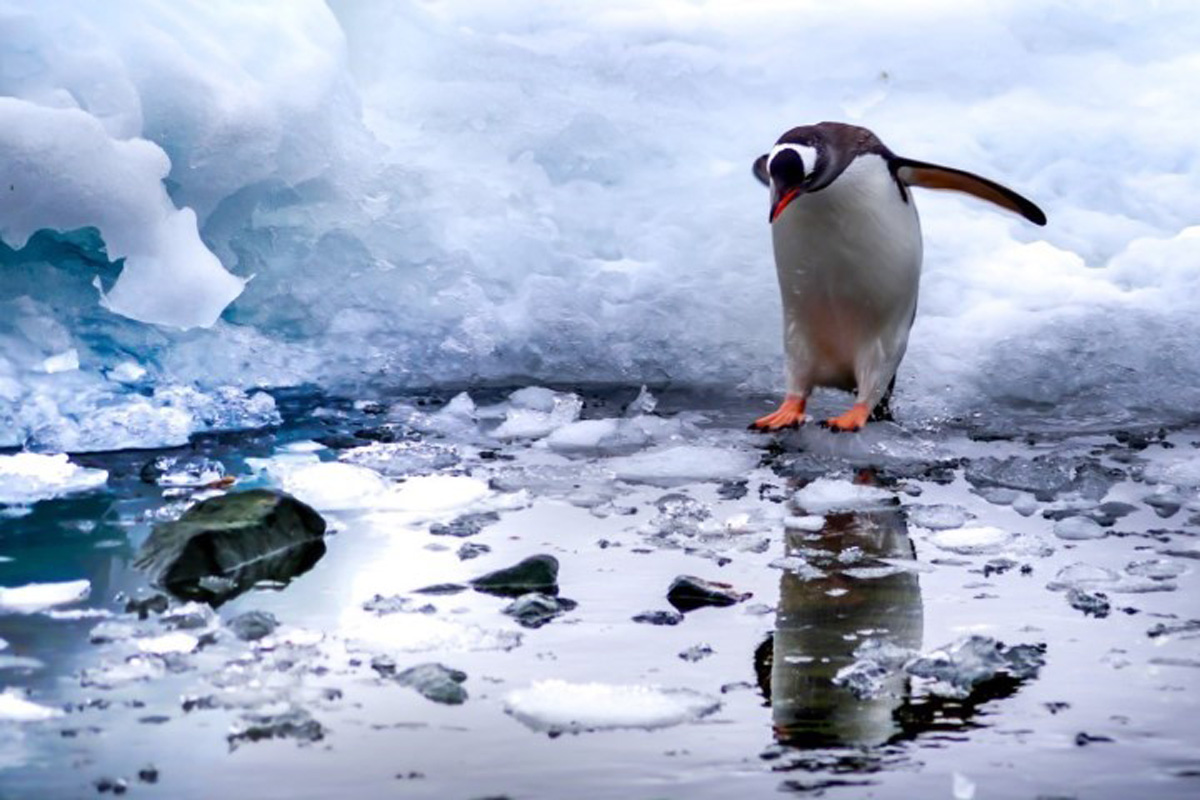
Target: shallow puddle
column 833, row 658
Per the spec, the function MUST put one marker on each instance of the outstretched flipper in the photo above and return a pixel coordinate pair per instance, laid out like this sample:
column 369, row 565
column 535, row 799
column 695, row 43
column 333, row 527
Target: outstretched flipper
column 933, row 176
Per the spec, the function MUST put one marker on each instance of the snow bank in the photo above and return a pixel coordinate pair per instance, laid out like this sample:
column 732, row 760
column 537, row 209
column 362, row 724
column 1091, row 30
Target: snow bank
column 29, row 477
column 562, row 707
column 455, row 191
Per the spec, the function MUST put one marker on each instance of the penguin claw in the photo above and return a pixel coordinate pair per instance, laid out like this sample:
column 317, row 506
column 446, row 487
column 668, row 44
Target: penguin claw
column 852, row 420
column 790, row 414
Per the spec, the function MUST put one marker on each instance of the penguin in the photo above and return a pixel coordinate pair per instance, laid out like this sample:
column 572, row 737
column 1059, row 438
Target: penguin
column 847, row 242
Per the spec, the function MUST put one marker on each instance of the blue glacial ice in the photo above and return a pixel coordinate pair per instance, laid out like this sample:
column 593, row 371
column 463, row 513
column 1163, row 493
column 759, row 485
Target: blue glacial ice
column 219, row 197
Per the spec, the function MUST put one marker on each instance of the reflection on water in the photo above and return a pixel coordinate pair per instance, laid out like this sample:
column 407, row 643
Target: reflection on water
column 821, row 621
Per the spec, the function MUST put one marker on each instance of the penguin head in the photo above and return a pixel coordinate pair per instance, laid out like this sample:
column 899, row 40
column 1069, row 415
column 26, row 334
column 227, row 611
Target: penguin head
column 809, row 158
column 790, row 168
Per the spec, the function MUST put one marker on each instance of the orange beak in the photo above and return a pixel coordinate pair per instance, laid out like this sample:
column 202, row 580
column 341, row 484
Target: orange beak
column 779, row 206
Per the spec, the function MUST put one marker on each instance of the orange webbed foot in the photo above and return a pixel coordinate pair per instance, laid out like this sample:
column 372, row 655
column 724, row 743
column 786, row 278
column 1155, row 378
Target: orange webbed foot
column 852, row 420
column 789, row 415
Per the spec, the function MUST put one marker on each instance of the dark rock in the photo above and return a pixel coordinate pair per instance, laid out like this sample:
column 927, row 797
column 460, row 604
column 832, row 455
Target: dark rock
column 733, row 490
column 239, row 539
column 1082, row 739
column 688, row 593
column 535, row 574
column 385, row 665
column 295, row 723
column 144, row 606
column 1189, row 626
column 253, row 625
column 696, row 653
column 1093, row 604
column 659, row 617
column 435, row 682
column 441, row 588
column 114, row 785
column 533, row 610
column 148, row 774
column 471, row 550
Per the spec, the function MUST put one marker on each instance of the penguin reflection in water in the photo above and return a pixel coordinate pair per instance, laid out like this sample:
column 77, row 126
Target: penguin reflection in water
column 847, row 243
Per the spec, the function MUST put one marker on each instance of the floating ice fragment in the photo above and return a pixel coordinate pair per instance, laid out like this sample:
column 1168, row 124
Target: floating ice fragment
column 963, row 788
column 34, row 597
column 556, row 706
column 1182, row 471
column 644, row 403
column 673, row 466
column 809, row 522
column 1156, row 568
column 174, row 642
column 958, row 668
column 30, row 477
column 826, row 495
column 938, row 517
column 62, row 362
column 875, row 661
column 536, row 412
column 1078, row 528
column 15, row 708
column 973, row 541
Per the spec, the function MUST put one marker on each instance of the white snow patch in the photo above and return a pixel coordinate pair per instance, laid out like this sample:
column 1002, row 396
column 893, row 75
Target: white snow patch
column 29, row 477
column 825, row 495
column 558, row 706
column 34, row 597
column 809, row 522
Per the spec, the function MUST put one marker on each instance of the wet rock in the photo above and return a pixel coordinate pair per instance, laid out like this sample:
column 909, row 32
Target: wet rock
column 435, row 682
column 467, row 525
column 957, row 669
column 1082, row 739
column 533, row 610
column 471, row 550
column 294, row 723
column 441, row 589
column 114, row 785
column 688, row 592
column 240, row 539
column 1093, row 604
column 1191, row 629
column 148, row 774
column 534, row 574
column 253, row 625
column 189, row 616
column 733, row 490
column 659, row 617
column 696, row 653
column 385, row 665
column 145, row 606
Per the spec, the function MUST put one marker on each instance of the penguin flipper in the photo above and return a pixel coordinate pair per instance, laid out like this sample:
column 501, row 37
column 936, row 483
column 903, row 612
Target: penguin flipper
column 760, row 170
column 933, row 176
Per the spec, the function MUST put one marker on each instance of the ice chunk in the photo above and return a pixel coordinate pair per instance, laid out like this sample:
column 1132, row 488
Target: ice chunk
column 938, row 517
column 436, row 682
column 672, row 466
column 168, row 643
column 973, row 541
column 15, row 708
column 958, row 668
column 810, row 523
column 827, row 495
column 1044, row 476
column 644, row 403
column 30, row 477
column 1181, row 471
column 403, row 459
column 34, row 597
column 556, row 706
column 1159, row 569
column 1077, row 528
column 1090, row 578
column 875, row 661
column 536, row 412
column 291, row 723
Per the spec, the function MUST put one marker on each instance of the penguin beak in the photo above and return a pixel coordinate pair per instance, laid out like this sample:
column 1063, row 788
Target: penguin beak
column 782, row 202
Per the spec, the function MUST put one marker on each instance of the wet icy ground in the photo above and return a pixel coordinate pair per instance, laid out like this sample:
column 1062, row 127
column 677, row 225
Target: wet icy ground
column 859, row 567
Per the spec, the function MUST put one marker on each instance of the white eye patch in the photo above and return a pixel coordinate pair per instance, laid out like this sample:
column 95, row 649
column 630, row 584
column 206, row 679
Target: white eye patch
column 807, row 154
